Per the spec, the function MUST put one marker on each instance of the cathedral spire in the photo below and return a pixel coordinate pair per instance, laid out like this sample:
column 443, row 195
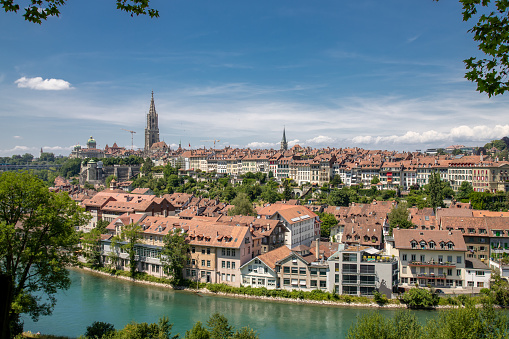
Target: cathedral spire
column 152, row 129
column 284, row 144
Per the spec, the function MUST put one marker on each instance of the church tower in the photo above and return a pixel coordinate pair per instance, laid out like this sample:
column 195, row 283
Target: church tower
column 284, row 144
column 152, row 129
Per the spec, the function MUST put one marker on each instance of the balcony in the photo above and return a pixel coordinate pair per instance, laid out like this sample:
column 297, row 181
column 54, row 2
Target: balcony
column 431, row 264
column 429, row 276
column 375, row 258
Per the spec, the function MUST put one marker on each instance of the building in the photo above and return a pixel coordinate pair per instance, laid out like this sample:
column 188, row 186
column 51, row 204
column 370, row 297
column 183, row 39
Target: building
column 152, row 129
column 361, row 270
column 429, row 257
column 261, row 271
column 284, row 144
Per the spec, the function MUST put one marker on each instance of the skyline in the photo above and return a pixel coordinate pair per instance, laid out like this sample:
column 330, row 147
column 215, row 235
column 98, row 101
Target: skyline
column 366, row 74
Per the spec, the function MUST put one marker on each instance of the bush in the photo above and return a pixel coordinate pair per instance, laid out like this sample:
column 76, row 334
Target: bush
column 380, row 298
column 98, row 329
column 420, row 298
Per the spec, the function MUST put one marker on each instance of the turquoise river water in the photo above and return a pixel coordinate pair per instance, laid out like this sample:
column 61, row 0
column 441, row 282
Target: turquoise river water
column 95, row 297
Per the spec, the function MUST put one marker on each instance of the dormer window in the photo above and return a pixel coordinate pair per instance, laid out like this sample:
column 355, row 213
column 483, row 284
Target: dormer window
column 414, row 244
column 450, row 245
column 423, row 245
column 431, row 245
column 442, row 245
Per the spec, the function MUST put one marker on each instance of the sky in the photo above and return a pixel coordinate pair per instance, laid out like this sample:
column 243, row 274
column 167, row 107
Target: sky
column 367, row 73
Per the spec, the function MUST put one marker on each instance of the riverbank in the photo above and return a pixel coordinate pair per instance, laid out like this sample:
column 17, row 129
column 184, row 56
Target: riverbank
column 365, row 302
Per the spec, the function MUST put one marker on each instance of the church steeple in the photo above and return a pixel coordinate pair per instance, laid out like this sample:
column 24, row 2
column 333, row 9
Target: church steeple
column 152, row 129
column 284, row 144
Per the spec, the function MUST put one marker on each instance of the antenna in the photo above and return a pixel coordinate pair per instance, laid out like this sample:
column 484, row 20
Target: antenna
column 132, row 137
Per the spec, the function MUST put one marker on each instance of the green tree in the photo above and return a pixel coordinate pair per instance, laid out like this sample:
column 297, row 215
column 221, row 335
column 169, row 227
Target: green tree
column 338, row 197
column 161, row 330
column 130, row 237
column 270, row 194
column 174, row 254
column 91, row 247
column 420, row 298
column 109, row 179
column 245, row 333
column 400, row 217
column 328, row 221
column 336, row 180
column 147, row 166
column 37, row 242
column 375, row 180
column 197, row 332
column 490, row 32
column 242, row 206
column 99, row 329
column 403, row 325
column 101, row 226
column 70, row 168
column 219, row 327
column 434, row 190
column 287, row 190
column 464, row 190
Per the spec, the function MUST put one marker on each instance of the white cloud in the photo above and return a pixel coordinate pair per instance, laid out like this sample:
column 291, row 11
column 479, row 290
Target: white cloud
column 17, row 137
column 265, row 145
column 41, row 84
column 461, row 133
column 321, row 140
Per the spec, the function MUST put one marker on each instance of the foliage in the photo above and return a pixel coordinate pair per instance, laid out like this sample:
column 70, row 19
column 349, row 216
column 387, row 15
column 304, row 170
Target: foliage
column 399, row 217
column 490, row 32
column 101, row 226
column 174, row 255
column 109, row 179
column 219, row 327
column 420, row 298
column 39, row 10
column 328, row 221
column 70, row 168
column 37, row 242
column 147, row 166
column 375, row 180
column 161, row 330
column 91, row 247
column 464, row 190
column 380, row 298
column 339, row 197
column 243, row 206
column 434, row 190
column 336, row 180
column 402, row 325
column 98, row 329
column 130, row 236
column 287, row 190
column 197, row 332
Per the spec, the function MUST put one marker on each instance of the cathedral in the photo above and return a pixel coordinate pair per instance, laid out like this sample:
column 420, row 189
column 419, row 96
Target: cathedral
column 152, row 129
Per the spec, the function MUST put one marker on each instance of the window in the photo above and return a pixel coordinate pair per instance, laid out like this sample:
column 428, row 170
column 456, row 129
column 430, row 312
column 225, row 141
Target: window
column 193, row 262
column 412, row 257
column 458, row 272
column 323, row 284
column 458, row 259
column 480, row 284
column 286, row 282
column 286, row 269
column 223, row 264
column 423, row 258
column 440, row 259
column 449, row 271
column 450, row 245
column 202, row 251
column 449, row 259
column 227, row 264
column 349, row 257
column 479, row 273
column 431, row 245
column 404, row 257
column 414, row 244
column 313, row 283
column 208, row 250
column 295, row 270
column 203, row 262
column 208, row 263
column 193, row 249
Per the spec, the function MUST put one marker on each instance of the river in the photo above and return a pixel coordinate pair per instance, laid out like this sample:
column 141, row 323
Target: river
column 94, row 297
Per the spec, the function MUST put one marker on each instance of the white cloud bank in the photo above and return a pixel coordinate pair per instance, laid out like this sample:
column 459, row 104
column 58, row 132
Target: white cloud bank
column 460, row 133
column 41, row 84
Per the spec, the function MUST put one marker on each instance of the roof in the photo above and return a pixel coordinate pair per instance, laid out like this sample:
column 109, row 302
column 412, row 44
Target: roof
column 270, row 258
column 476, row 264
column 403, row 238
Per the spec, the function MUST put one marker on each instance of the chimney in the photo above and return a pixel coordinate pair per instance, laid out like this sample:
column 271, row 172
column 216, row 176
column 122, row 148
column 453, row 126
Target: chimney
column 317, row 254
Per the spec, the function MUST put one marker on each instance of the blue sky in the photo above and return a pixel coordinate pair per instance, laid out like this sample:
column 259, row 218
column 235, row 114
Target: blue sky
column 373, row 74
